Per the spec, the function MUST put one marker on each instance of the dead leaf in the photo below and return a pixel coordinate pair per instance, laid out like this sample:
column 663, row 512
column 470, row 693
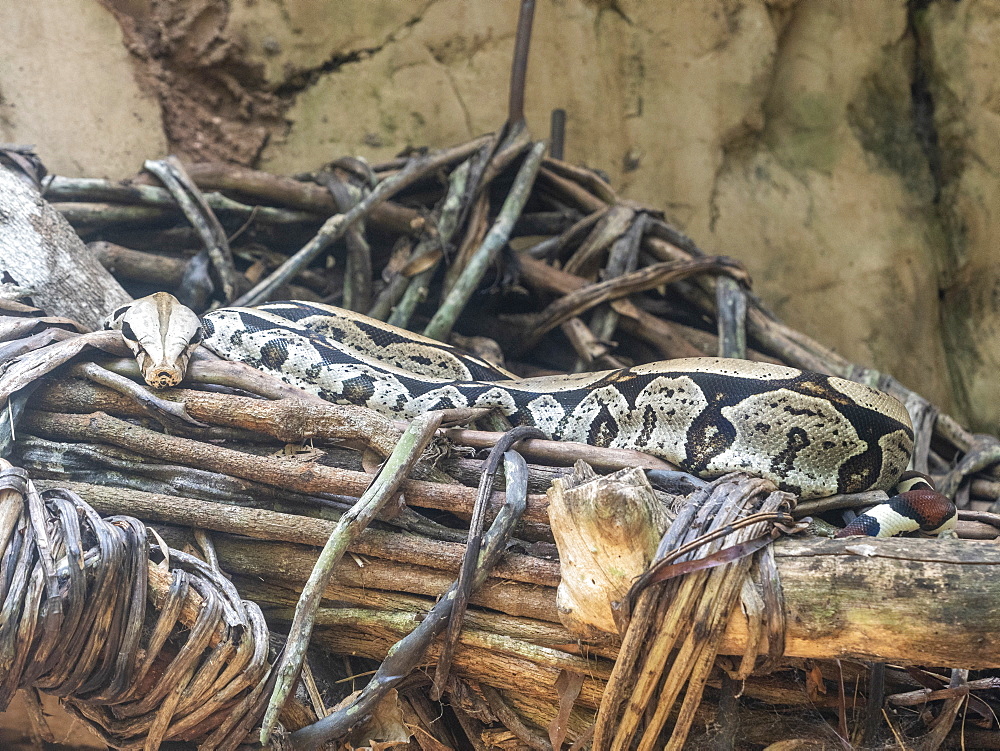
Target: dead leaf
column 815, row 684
column 383, row 730
column 568, row 684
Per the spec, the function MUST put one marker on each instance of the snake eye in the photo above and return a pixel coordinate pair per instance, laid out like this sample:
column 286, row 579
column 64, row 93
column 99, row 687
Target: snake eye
column 128, row 333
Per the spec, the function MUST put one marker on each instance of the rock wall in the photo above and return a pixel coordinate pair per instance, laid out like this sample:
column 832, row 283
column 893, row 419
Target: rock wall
column 68, row 85
column 845, row 151
column 958, row 44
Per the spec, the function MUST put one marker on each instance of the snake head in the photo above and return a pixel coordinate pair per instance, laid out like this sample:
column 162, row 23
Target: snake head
column 162, row 333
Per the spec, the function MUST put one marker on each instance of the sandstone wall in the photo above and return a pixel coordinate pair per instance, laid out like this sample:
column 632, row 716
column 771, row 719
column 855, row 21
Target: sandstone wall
column 847, row 152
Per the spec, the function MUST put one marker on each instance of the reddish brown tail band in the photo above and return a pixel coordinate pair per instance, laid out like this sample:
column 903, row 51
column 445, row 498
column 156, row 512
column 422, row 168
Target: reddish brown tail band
column 918, row 507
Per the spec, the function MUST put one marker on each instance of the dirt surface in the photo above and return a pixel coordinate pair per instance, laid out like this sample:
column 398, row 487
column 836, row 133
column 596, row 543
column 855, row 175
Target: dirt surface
column 214, row 104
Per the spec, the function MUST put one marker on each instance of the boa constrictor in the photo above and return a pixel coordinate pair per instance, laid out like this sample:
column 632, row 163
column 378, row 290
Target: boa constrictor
column 811, row 434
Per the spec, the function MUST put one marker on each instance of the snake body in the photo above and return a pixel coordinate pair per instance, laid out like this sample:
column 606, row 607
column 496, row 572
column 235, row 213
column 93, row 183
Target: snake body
column 812, row 434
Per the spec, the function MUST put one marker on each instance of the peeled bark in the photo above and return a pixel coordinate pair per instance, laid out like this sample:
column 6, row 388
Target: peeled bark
column 40, row 251
column 607, row 529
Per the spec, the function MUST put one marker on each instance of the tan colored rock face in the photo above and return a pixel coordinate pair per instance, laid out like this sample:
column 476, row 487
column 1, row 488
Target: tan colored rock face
column 833, row 202
column 960, row 53
column 785, row 133
column 442, row 77
column 304, row 35
column 67, row 85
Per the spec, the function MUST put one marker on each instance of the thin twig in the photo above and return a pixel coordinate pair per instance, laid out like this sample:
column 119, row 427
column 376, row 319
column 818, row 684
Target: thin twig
column 512, row 720
column 358, row 274
column 663, row 335
column 416, row 293
column 452, row 207
column 335, row 226
column 557, row 133
column 614, row 223
column 623, row 258
column 286, row 191
column 168, row 413
column 453, row 305
column 873, row 705
column 351, row 524
column 463, row 588
column 171, row 173
column 564, row 453
column 575, row 303
column 85, row 200
column 731, row 302
column 406, row 654
column 519, row 66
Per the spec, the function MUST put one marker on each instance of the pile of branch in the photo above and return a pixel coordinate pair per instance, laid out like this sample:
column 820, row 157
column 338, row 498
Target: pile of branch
column 487, row 242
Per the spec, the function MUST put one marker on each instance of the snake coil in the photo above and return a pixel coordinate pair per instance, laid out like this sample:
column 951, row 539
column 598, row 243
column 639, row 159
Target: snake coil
column 811, row 434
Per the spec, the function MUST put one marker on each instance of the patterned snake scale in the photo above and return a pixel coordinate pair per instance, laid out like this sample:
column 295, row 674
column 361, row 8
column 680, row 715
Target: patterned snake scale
column 812, row 434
